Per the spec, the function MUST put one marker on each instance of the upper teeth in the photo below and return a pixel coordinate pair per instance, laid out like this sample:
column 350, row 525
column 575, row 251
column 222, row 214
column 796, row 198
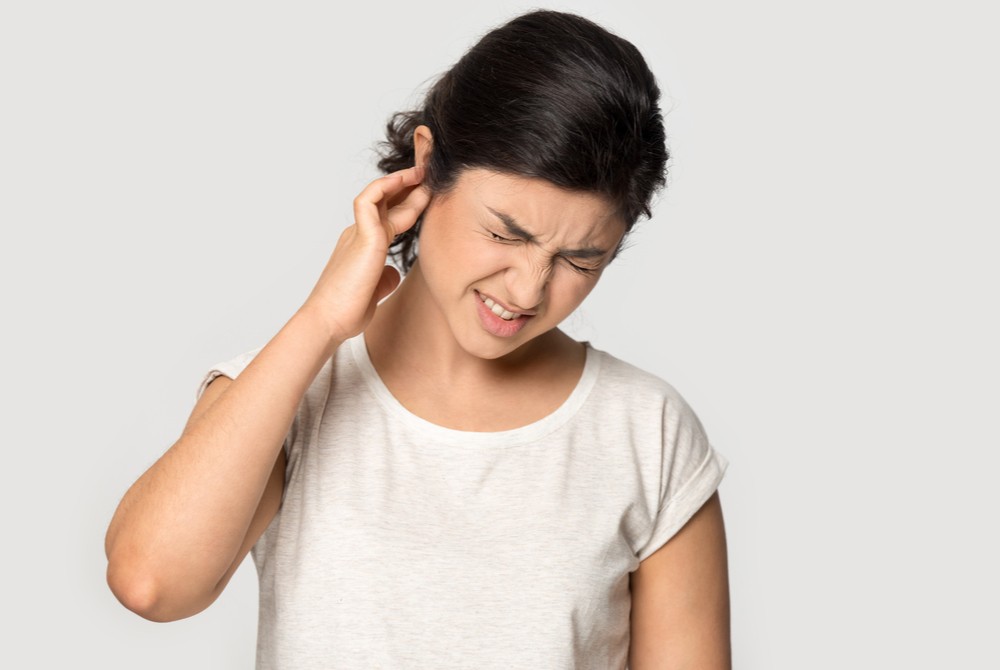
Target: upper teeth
column 498, row 310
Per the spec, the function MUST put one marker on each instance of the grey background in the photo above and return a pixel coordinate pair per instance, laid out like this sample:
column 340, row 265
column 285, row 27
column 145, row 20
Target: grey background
column 819, row 281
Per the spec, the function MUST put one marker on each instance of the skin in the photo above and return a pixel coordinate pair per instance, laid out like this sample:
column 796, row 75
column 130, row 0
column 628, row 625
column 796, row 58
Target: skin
column 184, row 527
column 680, row 599
column 505, row 382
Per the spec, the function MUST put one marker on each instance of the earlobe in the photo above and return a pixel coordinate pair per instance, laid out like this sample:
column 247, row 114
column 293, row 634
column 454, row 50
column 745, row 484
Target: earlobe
column 422, row 143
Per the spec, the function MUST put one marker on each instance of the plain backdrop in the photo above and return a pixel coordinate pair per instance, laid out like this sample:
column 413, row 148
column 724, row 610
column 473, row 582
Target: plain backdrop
column 819, row 280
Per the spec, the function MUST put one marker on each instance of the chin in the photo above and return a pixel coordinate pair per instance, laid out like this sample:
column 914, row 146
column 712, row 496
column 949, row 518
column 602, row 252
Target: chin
column 492, row 352
column 490, row 347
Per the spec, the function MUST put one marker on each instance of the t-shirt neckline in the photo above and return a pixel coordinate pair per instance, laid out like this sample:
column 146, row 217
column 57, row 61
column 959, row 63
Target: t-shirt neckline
column 442, row 434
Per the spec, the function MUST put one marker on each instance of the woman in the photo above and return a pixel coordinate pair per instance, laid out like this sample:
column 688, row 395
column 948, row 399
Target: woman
column 443, row 478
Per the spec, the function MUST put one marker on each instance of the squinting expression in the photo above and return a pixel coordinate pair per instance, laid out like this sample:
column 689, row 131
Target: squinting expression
column 506, row 258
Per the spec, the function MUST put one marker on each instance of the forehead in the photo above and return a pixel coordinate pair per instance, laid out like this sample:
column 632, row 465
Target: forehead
column 549, row 212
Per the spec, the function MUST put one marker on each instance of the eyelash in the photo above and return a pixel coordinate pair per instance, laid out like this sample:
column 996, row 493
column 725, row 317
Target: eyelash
column 585, row 271
column 581, row 270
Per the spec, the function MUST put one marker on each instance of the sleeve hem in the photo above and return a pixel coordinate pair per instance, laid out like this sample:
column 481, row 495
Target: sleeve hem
column 231, row 368
column 686, row 502
column 208, row 379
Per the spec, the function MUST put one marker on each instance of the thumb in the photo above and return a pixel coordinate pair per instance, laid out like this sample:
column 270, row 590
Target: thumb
column 387, row 283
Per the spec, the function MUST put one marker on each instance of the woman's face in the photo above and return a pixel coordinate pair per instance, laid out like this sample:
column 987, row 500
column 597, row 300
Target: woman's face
column 516, row 245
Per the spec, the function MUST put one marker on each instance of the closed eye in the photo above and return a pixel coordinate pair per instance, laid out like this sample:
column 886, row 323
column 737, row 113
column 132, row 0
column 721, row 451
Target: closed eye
column 583, row 270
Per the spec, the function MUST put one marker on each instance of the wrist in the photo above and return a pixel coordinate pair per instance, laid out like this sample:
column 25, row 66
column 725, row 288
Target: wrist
column 316, row 323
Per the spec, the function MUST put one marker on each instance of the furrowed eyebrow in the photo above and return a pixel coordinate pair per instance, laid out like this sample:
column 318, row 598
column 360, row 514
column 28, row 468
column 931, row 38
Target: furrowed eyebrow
column 515, row 230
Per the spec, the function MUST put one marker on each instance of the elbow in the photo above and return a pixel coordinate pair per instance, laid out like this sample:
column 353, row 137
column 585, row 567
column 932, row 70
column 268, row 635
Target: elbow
column 143, row 594
column 137, row 595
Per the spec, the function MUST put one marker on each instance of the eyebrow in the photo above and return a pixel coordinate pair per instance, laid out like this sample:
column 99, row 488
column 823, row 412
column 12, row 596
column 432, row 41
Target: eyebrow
column 515, row 230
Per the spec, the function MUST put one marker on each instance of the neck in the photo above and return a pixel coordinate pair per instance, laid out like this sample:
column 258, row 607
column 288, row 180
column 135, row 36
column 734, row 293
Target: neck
column 409, row 335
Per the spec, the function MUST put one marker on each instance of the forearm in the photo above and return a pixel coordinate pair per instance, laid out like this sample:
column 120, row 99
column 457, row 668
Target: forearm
column 179, row 527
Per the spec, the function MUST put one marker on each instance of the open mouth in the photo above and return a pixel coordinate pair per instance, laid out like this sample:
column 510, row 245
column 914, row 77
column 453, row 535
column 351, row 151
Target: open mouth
column 499, row 321
column 497, row 309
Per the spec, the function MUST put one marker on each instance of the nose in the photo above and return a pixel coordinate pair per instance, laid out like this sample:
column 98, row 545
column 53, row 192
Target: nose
column 526, row 281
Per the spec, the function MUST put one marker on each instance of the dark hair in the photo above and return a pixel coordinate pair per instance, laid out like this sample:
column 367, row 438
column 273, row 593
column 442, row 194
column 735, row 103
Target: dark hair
column 550, row 95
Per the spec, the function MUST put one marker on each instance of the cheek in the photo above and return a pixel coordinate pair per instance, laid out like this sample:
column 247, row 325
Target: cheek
column 570, row 293
column 491, row 255
column 451, row 254
column 438, row 242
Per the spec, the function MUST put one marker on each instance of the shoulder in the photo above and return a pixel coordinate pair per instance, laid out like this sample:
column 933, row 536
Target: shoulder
column 650, row 411
column 638, row 386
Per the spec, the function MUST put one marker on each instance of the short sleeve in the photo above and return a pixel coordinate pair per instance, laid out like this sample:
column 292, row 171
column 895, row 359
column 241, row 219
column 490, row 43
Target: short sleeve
column 691, row 470
column 231, row 368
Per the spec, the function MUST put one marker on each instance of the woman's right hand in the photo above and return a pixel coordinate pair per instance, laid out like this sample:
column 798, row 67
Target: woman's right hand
column 221, row 482
column 356, row 277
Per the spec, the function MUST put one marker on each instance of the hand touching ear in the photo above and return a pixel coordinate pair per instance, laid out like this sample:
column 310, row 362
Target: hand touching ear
column 356, row 277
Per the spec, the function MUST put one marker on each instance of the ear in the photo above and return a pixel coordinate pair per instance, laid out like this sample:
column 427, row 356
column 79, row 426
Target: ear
column 422, row 143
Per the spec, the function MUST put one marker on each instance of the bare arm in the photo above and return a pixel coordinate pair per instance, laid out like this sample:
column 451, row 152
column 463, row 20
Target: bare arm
column 183, row 528
column 680, row 599
column 179, row 532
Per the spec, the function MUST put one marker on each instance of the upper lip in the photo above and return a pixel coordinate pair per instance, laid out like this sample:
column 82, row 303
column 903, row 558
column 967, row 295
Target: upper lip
column 529, row 312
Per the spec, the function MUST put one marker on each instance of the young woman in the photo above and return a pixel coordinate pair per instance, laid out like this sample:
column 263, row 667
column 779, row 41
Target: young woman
column 428, row 471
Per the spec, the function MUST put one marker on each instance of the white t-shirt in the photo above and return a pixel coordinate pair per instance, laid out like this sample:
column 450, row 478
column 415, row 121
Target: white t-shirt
column 403, row 544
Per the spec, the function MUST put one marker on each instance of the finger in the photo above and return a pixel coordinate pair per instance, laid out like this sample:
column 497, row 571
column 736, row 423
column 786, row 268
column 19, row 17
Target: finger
column 404, row 215
column 387, row 186
column 366, row 204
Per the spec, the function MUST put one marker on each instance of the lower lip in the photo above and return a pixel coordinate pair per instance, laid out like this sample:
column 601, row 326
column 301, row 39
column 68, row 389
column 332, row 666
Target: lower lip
column 497, row 326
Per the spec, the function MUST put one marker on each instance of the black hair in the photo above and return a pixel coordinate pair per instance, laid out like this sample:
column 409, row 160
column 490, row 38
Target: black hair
column 550, row 95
